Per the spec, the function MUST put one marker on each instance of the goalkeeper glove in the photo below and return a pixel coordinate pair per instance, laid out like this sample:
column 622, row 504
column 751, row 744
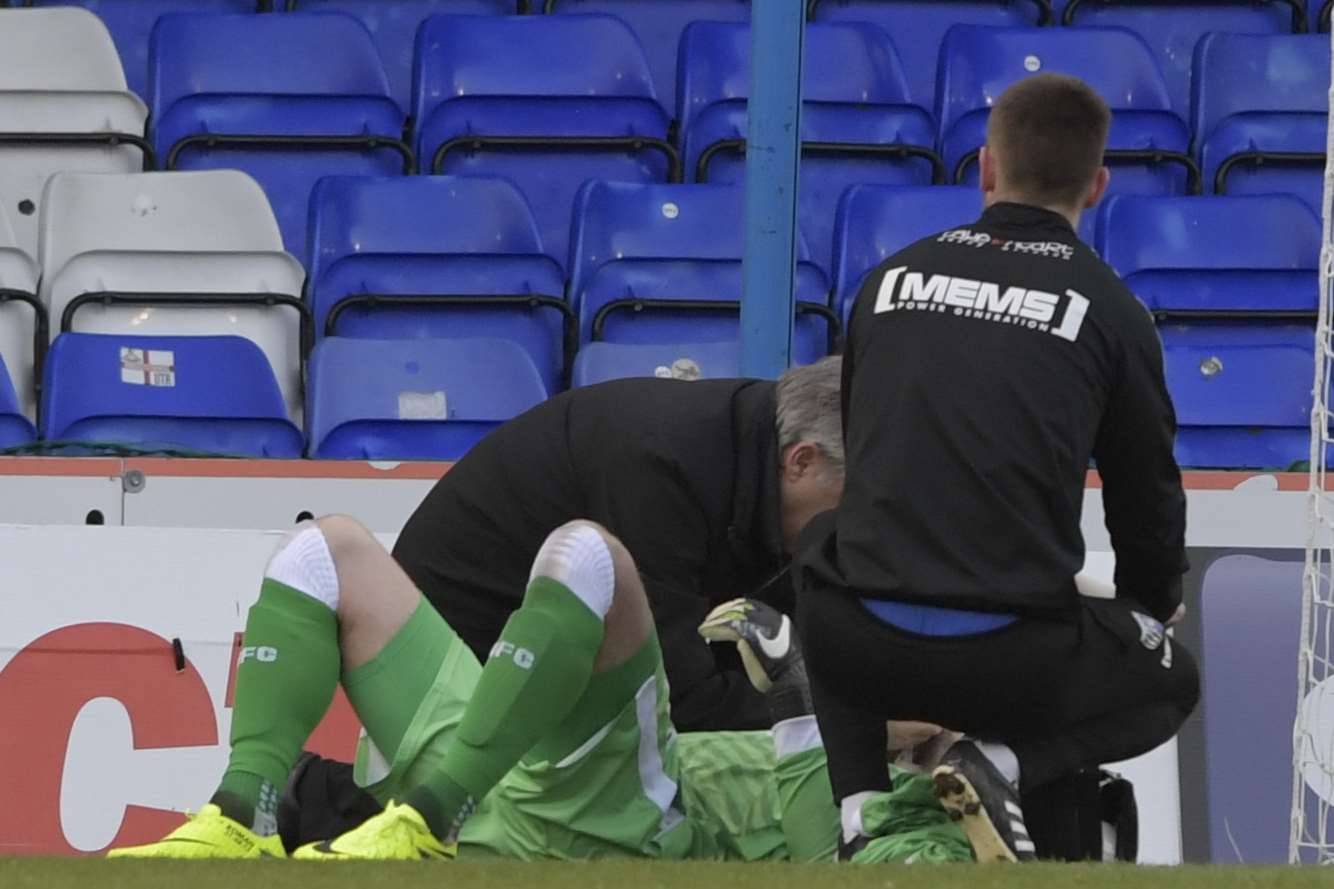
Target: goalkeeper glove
column 769, row 651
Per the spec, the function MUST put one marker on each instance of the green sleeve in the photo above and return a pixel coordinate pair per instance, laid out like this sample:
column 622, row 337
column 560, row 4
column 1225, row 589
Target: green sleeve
column 908, row 825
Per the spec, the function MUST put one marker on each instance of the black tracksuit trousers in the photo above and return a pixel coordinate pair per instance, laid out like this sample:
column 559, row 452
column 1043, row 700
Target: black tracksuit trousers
column 1064, row 696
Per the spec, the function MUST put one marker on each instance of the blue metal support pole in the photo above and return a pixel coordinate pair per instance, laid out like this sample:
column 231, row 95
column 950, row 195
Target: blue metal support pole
column 773, row 148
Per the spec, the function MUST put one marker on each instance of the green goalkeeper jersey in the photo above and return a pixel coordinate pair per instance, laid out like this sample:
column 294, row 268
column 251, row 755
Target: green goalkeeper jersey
column 755, row 804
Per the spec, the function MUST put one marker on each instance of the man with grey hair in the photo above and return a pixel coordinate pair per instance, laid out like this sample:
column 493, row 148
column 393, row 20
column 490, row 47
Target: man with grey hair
column 708, row 484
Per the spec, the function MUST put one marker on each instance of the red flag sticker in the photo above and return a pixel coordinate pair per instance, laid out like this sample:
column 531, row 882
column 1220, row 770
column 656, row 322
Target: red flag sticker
column 147, row 367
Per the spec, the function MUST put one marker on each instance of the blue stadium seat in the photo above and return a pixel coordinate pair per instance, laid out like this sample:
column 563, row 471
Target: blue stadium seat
column 1149, row 142
column 211, row 393
column 599, row 362
column 131, row 22
column 662, row 264
column 1172, row 29
column 414, row 400
column 1233, row 284
column 393, row 24
column 919, row 26
column 876, row 221
column 286, row 98
column 859, row 123
column 1242, row 394
column 658, row 25
column 548, row 101
column 1261, row 113
column 15, row 430
column 408, row 239
column 1244, row 254
column 173, row 254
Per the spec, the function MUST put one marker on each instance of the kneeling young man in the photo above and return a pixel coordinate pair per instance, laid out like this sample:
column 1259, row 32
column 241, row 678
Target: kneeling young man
column 560, row 747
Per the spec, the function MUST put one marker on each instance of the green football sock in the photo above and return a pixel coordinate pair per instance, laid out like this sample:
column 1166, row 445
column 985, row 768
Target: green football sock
column 536, row 674
column 387, row 690
column 285, row 681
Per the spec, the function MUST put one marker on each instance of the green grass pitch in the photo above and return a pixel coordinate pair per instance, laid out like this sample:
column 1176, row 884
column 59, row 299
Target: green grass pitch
column 85, row 873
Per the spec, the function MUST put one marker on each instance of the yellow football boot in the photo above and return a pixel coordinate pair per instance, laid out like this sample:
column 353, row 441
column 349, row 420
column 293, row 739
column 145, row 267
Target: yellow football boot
column 209, row 834
column 399, row 833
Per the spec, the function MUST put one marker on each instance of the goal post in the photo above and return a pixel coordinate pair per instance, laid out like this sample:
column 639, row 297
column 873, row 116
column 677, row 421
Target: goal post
column 1312, row 829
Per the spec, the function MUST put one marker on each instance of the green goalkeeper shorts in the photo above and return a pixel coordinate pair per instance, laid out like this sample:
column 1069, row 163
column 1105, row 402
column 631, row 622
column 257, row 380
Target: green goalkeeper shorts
column 616, row 780
column 603, row 783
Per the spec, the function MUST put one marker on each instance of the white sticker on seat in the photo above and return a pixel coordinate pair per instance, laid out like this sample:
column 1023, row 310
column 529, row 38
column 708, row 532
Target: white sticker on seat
column 422, row 406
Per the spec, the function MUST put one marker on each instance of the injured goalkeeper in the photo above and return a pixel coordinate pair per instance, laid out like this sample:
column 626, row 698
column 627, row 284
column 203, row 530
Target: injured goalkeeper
column 561, row 746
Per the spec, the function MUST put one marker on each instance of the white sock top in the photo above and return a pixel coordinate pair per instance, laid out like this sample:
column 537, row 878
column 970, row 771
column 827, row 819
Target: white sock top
column 303, row 563
column 576, row 555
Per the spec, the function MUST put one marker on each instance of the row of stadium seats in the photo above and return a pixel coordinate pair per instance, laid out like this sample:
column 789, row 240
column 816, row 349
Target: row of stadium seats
column 392, row 254
column 430, row 399
column 1232, row 281
column 225, row 93
column 369, row 399
column 392, row 257
column 1171, row 28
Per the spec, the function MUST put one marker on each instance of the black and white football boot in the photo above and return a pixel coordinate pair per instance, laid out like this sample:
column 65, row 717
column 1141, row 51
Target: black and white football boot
column 767, row 643
column 979, row 798
column 847, row 850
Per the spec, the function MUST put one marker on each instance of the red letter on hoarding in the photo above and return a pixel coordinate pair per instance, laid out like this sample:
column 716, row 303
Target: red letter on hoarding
column 42, row 691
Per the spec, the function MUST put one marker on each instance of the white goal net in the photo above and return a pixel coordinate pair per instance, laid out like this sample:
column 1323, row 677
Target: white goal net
column 1312, row 839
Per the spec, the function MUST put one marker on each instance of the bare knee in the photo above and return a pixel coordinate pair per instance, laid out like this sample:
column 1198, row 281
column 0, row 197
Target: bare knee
column 629, row 623
column 375, row 598
column 627, row 573
column 343, row 534
column 354, row 550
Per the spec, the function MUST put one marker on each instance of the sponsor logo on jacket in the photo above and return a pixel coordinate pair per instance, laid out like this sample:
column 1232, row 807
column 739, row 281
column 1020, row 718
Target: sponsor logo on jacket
column 1060, row 314
column 969, row 238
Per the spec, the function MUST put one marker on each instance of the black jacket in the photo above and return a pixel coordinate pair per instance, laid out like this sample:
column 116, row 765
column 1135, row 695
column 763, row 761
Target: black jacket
column 984, row 367
column 684, row 473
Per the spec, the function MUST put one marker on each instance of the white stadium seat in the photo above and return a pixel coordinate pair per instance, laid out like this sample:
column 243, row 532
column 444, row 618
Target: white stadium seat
column 60, row 75
column 209, row 239
column 18, row 277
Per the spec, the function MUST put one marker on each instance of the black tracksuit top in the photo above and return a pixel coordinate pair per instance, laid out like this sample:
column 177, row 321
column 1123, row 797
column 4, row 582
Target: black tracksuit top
column 985, row 366
column 686, row 474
